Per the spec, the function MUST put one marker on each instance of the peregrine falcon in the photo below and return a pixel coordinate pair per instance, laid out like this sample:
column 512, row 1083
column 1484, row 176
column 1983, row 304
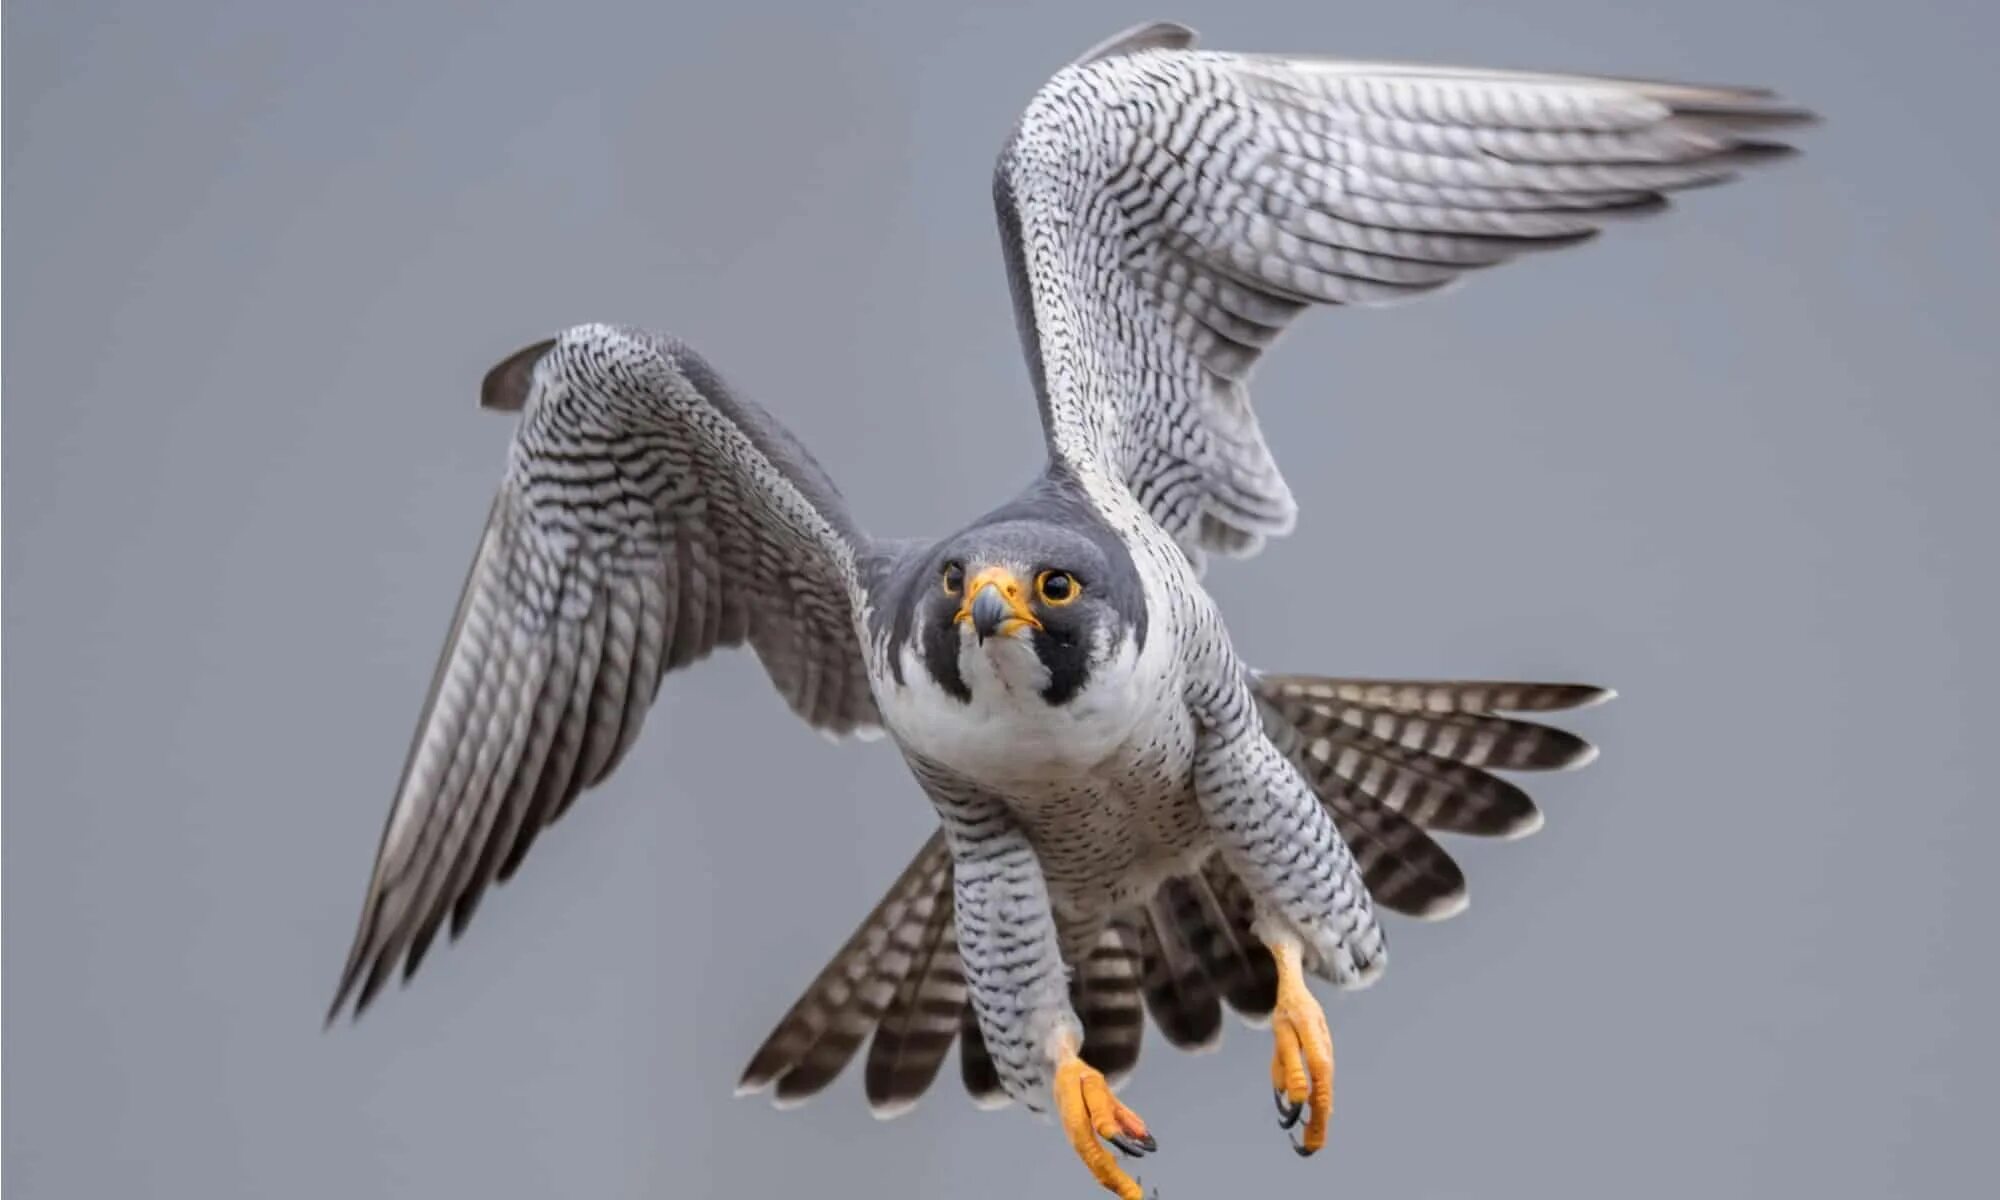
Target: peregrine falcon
column 1132, row 820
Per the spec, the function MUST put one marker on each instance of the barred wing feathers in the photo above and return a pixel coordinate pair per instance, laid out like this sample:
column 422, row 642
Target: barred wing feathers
column 1167, row 212
column 647, row 516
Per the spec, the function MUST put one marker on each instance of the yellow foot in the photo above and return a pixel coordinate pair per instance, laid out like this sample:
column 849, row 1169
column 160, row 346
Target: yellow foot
column 1302, row 1062
column 1088, row 1112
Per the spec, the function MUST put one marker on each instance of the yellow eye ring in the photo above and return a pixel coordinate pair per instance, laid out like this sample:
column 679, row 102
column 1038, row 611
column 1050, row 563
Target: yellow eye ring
column 1057, row 588
column 954, row 578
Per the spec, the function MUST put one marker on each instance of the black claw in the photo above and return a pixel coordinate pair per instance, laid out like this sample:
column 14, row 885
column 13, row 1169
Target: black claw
column 1135, row 1146
column 1288, row 1112
column 1299, row 1148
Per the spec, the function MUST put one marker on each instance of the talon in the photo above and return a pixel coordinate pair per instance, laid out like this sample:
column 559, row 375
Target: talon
column 1135, row 1147
column 1089, row 1112
column 1302, row 1055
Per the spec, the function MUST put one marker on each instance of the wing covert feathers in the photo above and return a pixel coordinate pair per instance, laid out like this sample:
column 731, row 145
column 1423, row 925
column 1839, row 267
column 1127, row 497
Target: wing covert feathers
column 1168, row 211
column 646, row 517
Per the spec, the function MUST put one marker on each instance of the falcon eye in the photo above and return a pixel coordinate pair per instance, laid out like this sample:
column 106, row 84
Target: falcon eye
column 954, row 578
column 1057, row 588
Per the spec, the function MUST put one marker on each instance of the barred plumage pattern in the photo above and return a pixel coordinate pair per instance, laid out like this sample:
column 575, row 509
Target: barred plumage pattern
column 1280, row 839
column 1105, row 994
column 1170, row 211
column 1009, row 940
column 825, row 1026
column 1165, row 213
column 1190, row 949
column 922, row 1018
column 646, row 517
column 1181, row 996
column 975, row 1064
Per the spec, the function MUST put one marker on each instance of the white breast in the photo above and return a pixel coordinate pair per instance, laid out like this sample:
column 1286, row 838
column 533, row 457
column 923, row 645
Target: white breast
column 1008, row 737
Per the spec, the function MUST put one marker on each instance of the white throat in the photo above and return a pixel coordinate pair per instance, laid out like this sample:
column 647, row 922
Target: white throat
column 1007, row 734
column 1004, row 668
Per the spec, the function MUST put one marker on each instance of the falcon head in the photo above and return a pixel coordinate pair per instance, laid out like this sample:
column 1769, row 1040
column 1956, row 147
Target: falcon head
column 1027, row 606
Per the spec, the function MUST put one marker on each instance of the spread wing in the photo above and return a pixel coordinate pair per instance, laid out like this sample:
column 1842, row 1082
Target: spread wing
column 1167, row 213
column 647, row 516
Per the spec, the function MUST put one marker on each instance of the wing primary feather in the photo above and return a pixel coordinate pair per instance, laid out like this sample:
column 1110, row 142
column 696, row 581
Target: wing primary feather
column 575, row 606
column 1166, row 211
column 561, row 775
column 364, row 936
column 546, row 716
column 445, row 878
column 1439, row 696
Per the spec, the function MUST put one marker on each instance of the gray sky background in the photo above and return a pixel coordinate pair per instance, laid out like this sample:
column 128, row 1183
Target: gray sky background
column 258, row 255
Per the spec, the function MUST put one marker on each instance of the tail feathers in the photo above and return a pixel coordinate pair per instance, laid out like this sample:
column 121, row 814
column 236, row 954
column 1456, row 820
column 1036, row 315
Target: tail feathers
column 1239, row 966
column 822, row 1030
column 975, row 1064
column 1105, row 994
column 1252, row 989
column 922, row 1019
column 1179, row 993
column 1394, row 761
column 1397, row 760
column 900, row 976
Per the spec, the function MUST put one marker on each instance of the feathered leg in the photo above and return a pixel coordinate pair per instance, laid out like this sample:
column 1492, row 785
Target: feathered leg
column 1019, row 987
column 1279, row 839
column 1313, row 907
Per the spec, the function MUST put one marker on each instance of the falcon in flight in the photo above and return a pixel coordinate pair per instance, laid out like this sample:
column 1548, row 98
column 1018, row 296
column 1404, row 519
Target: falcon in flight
column 1131, row 819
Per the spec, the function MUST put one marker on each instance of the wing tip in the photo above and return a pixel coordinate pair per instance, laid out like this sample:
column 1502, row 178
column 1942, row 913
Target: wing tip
column 505, row 387
column 1148, row 35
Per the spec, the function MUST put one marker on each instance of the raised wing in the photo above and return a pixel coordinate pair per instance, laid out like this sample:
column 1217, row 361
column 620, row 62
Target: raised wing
column 647, row 516
column 1167, row 212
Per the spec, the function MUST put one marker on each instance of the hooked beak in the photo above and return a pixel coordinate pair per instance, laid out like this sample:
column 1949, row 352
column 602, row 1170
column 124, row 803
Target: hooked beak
column 996, row 603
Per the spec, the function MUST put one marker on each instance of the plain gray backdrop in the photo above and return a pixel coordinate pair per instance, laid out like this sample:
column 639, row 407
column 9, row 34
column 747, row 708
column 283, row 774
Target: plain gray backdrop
column 1735, row 462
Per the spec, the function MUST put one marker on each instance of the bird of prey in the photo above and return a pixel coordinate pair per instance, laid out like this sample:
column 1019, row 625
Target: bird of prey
column 1131, row 818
